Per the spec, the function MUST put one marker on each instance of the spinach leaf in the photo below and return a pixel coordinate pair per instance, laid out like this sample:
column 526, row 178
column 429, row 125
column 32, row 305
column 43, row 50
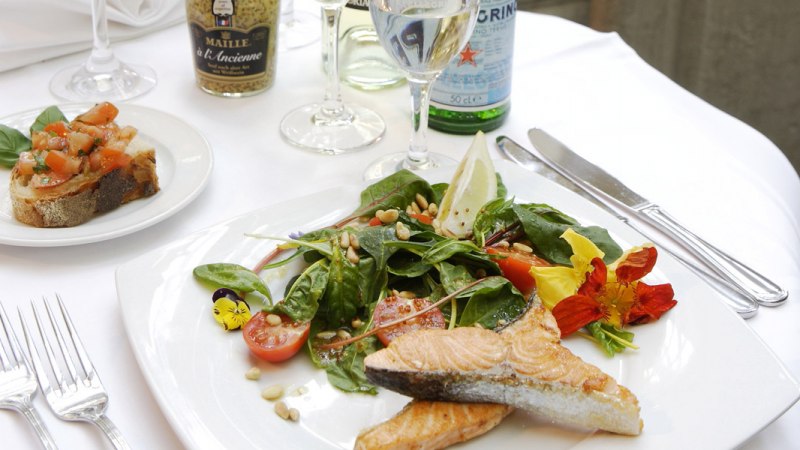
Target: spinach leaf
column 395, row 191
column 491, row 301
column 46, row 117
column 502, row 190
column 544, row 226
column 342, row 295
column 448, row 248
column 372, row 279
column 438, row 192
column 344, row 366
column 454, row 277
column 610, row 338
column 302, row 299
column 232, row 276
column 409, row 265
column 496, row 215
column 12, row 143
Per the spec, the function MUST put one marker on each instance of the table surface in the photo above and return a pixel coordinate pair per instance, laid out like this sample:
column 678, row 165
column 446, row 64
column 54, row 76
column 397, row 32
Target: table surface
column 717, row 175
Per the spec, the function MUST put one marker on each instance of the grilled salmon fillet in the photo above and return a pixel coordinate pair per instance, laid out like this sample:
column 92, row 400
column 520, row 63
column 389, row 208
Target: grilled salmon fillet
column 525, row 367
column 427, row 425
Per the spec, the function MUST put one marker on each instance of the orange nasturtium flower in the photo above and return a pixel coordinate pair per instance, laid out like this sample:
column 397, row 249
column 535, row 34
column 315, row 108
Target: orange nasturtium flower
column 590, row 291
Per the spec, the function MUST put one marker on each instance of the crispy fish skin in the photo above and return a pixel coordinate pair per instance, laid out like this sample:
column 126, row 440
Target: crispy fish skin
column 425, row 425
column 525, row 366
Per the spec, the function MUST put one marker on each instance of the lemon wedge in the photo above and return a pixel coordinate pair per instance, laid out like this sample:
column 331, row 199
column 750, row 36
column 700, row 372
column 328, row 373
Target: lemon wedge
column 474, row 183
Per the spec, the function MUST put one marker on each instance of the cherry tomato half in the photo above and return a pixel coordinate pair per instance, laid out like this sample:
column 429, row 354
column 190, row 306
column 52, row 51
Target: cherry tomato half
column 274, row 343
column 516, row 267
column 393, row 308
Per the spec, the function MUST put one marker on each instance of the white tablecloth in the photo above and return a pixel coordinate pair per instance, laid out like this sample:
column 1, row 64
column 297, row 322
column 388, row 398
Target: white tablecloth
column 716, row 174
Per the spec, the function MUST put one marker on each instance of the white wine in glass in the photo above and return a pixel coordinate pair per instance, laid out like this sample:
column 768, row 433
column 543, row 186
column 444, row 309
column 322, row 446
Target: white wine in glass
column 331, row 126
column 422, row 36
column 102, row 76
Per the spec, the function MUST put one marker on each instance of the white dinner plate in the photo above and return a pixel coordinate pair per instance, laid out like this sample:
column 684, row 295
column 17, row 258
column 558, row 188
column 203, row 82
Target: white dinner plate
column 183, row 165
column 702, row 377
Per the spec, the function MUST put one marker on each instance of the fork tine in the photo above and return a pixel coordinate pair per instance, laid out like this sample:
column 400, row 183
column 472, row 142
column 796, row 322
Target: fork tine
column 19, row 355
column 3, row 356
column 88, row 367
column 61, row 342
column 38, row 367
column 49, row 350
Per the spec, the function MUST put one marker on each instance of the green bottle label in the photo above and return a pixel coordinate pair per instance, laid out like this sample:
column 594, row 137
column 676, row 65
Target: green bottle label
column 479, row 78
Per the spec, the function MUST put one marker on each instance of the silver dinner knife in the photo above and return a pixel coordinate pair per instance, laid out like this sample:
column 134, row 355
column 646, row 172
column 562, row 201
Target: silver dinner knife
column 744, row 305
column 605, row 188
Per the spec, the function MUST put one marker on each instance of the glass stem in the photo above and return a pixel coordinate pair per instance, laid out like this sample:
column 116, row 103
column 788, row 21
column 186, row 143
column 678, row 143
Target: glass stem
column 420, row 99
column 332, row 105
column 102, row 57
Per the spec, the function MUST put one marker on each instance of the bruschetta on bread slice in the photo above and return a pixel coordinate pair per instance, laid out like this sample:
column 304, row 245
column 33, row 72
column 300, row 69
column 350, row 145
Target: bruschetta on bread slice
column 79, row 169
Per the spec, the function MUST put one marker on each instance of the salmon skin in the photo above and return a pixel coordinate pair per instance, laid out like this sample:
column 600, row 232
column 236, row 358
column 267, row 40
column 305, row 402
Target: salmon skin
column 524, row 366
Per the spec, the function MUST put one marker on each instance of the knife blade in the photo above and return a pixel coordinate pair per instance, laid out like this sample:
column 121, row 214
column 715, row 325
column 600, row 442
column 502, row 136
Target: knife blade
column 745, row 306
column 606, row 188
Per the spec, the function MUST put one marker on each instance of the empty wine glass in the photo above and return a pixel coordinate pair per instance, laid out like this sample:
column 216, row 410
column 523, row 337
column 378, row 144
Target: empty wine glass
column 102, row 76
column 332, row 127
column 422, row 36
column 297, row 28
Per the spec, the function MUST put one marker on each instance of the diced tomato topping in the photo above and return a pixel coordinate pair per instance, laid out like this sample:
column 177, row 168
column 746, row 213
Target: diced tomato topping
column 374, row 222
column 100, row 114
column 107, row 159
column 79, row 143
column 516, row 266
column 62, row 163
column 58, row 128
column 25, row 163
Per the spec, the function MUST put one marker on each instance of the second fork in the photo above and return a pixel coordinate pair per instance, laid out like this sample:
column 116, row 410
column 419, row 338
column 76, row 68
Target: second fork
column 78, row 394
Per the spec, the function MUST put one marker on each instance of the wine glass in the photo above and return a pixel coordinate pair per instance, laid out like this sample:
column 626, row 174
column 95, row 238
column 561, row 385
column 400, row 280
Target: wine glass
column 102, row 76
column 422, row 36
column 332, row 127
column 297, row 28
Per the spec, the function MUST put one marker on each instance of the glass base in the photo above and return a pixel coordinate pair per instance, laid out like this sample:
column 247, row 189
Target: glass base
column 302, row 30
column 389, row 164
column 310, row 128
column 124, row 82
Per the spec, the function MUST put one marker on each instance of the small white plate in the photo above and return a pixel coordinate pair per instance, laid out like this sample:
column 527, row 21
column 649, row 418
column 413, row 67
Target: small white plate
column 702, row 377
column 183, row 164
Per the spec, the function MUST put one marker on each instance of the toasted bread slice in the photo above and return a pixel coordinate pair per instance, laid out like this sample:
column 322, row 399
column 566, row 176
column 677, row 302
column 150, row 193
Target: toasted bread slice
column 86, row 194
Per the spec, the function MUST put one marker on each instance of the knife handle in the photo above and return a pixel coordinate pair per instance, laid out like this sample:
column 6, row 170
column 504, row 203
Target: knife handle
column 747, row 280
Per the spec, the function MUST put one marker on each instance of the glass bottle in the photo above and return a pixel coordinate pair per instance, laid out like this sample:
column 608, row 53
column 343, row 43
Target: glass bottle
column 473, row 93
column 363, row 63
column 233, row 44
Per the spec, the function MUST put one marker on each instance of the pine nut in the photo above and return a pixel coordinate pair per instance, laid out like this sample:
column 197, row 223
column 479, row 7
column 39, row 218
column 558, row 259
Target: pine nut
column 403, row 233
column 343, row 334
column 326, row 335
column 294, row 415
column 409, row 211
column 421, row 201
column 522, row 247
column 351, row 255
column 273, row 392
column 354, row 242
column 282, row 410
column 356, row 323
column 387, row 216
column 344, row 239
column 415, row 208
column 503, row 244
column 433, row 209
column 407, row 294
column 274, row 319
column 253, row 373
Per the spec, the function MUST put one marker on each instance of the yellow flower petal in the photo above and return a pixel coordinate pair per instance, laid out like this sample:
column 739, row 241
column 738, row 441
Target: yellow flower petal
column 231, row 314
column 583, row 250
column 556, row 283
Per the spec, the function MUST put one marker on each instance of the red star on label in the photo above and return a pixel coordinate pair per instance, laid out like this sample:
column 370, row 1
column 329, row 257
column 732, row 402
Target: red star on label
column 468, row 56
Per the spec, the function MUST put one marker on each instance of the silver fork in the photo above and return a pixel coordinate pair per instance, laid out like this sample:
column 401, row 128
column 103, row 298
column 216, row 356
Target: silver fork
column 78, row 395
column 18, row 383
